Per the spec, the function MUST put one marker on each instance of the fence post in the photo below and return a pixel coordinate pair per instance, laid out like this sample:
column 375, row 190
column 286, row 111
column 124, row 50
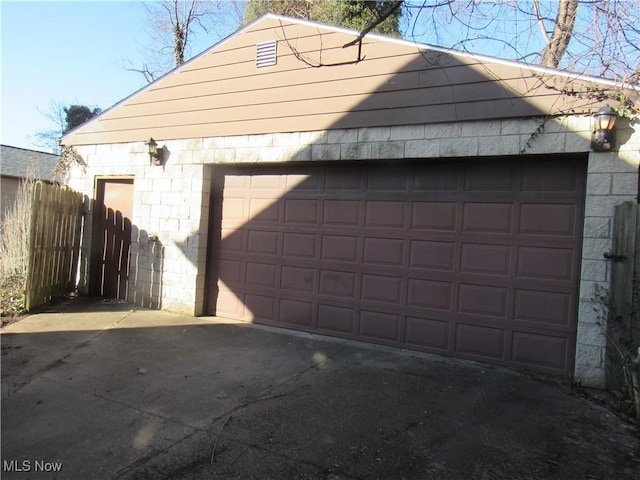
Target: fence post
column 623, row 258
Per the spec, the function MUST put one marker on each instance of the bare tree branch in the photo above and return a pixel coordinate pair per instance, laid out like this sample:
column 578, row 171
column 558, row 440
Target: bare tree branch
column 543, row 30
column 315, row 63
column 381, row 18
column 172, row 26
column 594, row 37
column 148, row 75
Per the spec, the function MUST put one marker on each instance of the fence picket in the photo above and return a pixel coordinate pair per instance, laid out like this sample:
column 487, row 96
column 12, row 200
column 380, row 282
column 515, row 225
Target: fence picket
column 54, row 241
column 623, row 260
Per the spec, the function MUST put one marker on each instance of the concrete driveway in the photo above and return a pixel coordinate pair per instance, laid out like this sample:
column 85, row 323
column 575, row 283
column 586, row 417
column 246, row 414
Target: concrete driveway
column 96, row 390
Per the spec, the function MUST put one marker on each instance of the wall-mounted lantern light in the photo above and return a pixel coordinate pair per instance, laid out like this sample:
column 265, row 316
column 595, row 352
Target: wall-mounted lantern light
column 155, row 152
column 604, row 135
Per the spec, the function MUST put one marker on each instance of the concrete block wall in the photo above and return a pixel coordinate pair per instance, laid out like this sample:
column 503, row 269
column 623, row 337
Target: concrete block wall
column 457, row 139
column 172, row 201
column 612, row 178
column 169, row 238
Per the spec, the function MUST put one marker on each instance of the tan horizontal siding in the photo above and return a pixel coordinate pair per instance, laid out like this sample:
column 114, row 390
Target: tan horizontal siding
column 329, row 49
column 306, row 122
column 400, row 87
column 323, row 99
column 374, row 70
column 222, row 92
column 288, row 65
column 252, row 81
column 212, row 125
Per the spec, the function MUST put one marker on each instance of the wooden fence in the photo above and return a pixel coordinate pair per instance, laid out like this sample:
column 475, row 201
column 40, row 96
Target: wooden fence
column 623, row 327
column 54, row 243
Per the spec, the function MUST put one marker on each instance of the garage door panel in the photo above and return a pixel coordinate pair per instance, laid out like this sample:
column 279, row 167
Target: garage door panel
column 338, row 284
column 430, row 294
column 487, row 217
column 485, row 259
column 231, row 271
column 389, row 179
column 296, row 312
column 260, row 308
column 382, row 326
column 534, row 350
column 229, row 305
column 381, row 288
column 565, row 177
column 472, row 259
column 434, row 216
column 383, row 251
column 235, row 182
column 479, row 341
column 261, row 275
column 302, row 245
column 301, row 211
column 546, row 263
column 348, row 179
column 426, row 332
column 269, row 182
column 341, row 248
column 483, row 300
column 233, row 211
column 548, row 219
column 550, row 308
column 306, row 183
column 444, row 178
column 263, row 211
column 263, row 242
column 343, row 213
column 431, row 255
column 385, row 214
column 482, row 177
column 233, row 239
column 336, row 319
column 298, row 278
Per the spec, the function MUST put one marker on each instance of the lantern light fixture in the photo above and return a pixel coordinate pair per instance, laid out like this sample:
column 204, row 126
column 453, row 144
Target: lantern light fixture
column 155, row 152
column 603, row 134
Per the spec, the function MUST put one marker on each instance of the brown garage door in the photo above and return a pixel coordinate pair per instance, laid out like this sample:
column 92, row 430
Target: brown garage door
column 474, row 259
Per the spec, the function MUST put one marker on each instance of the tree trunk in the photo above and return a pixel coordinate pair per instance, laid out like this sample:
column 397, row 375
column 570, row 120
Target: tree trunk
column 178, row 44
column 559, row 41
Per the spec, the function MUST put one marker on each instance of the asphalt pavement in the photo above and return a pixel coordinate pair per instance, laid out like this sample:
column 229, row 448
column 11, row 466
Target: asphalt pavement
column 93, row 389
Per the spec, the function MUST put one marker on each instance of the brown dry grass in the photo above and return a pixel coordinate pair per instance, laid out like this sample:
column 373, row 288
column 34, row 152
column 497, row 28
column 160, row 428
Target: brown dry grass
column 14, row 251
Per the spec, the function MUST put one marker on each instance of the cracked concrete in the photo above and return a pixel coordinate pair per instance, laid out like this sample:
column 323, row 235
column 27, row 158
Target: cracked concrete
column 111, row 392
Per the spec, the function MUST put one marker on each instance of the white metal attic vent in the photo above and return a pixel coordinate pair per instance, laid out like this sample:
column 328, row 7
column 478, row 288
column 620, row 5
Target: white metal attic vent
column 266, row 54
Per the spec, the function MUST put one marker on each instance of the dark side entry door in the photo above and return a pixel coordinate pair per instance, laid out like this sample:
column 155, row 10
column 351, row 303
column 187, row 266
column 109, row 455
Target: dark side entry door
column 112, row 238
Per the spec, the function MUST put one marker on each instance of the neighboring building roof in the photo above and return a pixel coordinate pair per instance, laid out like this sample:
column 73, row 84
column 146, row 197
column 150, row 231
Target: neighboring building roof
column 19, row 162
column 315, row 83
